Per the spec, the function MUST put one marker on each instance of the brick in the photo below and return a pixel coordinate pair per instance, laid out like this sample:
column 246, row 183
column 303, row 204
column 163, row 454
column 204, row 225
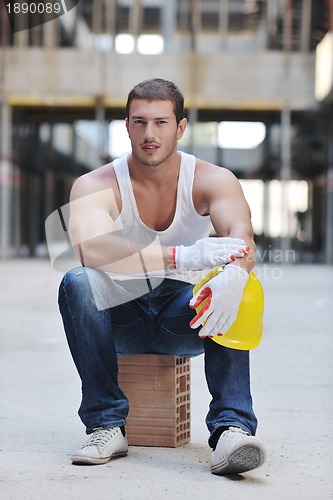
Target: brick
column 158, row 389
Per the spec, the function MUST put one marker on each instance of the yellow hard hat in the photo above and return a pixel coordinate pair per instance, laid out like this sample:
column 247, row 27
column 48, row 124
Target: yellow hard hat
column 246, row 331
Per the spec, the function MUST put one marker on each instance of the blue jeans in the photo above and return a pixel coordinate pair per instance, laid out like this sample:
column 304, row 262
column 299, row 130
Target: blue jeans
column 156, row 322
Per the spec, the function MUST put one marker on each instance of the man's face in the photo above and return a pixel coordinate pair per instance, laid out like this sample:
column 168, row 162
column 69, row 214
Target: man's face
column 153, row 131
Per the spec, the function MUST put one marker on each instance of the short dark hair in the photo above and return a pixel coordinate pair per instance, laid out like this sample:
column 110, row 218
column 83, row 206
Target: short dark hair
column 157, row 89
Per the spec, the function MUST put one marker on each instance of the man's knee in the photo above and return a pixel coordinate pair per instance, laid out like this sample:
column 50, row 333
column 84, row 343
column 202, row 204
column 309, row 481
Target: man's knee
column 80, row 280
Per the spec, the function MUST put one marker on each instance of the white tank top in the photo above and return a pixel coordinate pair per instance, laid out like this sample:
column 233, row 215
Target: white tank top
column 187, row 226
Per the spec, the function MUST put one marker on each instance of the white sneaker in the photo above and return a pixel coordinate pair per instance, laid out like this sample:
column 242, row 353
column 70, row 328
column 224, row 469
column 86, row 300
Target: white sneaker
column 237, row 452
column 103, row 445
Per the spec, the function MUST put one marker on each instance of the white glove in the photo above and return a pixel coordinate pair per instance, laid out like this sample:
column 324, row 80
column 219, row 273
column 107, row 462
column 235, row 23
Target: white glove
column 224, row 293
column 208, row 252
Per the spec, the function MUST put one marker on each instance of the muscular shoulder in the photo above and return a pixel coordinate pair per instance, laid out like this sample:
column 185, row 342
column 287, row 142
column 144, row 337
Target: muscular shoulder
column 211, row 181
column 211, row 173
column 100, row 186
column 96, row 180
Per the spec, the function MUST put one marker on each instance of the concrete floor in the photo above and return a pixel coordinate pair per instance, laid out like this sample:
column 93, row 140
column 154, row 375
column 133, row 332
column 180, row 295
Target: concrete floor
column 291, row 384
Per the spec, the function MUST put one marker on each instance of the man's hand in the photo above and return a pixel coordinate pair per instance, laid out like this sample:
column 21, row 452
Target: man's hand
column 223, row 295
column 208, row 252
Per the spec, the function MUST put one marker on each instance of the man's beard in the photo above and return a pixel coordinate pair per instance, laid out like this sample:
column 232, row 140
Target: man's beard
column 153, row 163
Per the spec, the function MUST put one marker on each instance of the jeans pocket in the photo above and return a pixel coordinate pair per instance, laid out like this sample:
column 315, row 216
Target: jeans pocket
column 127, row 314
column 178, row 324
column 130, row 336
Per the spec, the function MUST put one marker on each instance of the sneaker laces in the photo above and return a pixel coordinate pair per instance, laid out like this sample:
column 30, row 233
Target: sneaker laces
column 231, row 430
column 237, row 429
column 100, row 437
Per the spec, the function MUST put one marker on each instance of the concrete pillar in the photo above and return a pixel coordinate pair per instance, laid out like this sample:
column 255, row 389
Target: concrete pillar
column 183, row 16
column 102, row 130
column 51, row 33
column 329, row 198
column 16, row 195
column 36, row 35
column 271, row 18
column 6, row 173
column 111, row 13
column 265, row 205
column 169, row 15
column 223, row 22
column 21, row 38
column 192, row 120
column 195, row 24
column 285, row 173
column 306, row 25
column 135, row 21
column 266, row 210
column 97, row 10
column 193, row 71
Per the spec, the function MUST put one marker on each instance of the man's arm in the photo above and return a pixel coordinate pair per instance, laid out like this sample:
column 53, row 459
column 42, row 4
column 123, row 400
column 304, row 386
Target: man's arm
column 230, row 212
column 219, row 299
column 93, row 210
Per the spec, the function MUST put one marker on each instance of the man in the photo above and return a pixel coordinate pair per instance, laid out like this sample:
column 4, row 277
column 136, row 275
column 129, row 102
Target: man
column 145, row 217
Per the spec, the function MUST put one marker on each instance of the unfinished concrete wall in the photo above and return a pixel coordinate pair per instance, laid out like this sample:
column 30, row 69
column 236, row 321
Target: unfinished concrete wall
column 216, row 80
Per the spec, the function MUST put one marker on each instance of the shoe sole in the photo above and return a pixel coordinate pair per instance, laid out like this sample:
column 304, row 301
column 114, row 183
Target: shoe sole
column 97, row 461
column 246, row 458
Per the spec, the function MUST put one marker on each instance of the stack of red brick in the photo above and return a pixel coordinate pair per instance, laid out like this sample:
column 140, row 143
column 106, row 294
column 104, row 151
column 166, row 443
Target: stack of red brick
column 158, row 389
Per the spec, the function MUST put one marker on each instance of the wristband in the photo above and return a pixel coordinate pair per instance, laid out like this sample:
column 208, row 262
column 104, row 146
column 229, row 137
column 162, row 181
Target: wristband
column 174, row 258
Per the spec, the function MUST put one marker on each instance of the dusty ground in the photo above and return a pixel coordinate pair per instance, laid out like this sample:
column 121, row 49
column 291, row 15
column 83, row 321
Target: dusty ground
column 292, row 388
